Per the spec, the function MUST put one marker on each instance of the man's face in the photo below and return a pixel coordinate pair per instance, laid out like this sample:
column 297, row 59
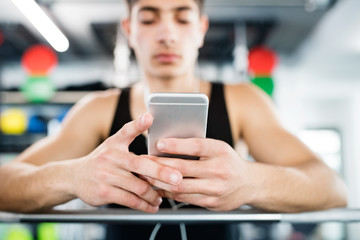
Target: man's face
column 166, row 35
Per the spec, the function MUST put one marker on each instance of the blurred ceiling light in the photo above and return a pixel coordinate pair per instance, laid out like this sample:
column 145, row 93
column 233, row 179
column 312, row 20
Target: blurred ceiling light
column 43, row 24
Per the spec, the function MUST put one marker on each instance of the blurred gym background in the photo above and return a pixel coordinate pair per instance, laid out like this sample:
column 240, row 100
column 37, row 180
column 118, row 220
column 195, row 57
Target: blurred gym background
column 304, row 53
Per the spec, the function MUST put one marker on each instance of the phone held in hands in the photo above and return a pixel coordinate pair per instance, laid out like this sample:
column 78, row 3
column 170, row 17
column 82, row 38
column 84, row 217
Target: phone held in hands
column 176, row 115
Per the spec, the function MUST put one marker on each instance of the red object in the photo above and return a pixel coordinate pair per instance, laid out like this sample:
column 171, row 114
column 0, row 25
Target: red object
column 262, row 61
column 1, row 38
column 38, row 60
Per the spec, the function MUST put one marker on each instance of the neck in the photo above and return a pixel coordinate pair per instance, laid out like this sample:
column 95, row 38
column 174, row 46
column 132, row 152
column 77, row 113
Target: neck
column 183, row 83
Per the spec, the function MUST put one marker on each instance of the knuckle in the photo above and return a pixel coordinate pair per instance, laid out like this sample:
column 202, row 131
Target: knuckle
column 125, row 129
column 222, row 172
column 210, row 203
column 134, row 163
column 177, row 189
column 197, row 147
column 219, row 191
column 179, row 198
column 221, row 146
column 104, row 192
column 134, row 203
column 161, row 173
column 142, row 189
column 182, row 168
column 102, row 176
column 104, row 155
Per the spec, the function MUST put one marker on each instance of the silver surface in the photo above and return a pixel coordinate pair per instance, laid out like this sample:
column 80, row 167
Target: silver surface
column 182, row 216
column 176, row 115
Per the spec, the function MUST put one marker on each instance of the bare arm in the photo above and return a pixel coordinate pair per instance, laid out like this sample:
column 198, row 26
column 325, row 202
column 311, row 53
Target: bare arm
column 71, row 164
column 286, row 176
column 38, row 178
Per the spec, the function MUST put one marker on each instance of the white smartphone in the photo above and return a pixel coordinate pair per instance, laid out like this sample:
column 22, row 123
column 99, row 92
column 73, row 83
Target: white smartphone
column 176, row 115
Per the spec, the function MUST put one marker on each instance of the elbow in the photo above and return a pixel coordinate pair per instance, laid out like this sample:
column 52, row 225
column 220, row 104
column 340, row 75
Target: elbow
column 338, row 195
column 341, row 194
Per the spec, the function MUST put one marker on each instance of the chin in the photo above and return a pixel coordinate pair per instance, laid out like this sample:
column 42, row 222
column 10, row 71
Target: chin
column 166, row 74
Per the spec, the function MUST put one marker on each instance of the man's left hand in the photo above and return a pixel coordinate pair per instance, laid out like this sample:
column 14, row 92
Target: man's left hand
column 217, row 181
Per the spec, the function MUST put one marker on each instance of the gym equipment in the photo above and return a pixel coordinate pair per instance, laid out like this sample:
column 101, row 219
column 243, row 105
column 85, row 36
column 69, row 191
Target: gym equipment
column 265, row 83
column 47, row 231
column 37, row 124
column 262, row 61
column 38, row 60
column 18, row 232
column 38, row 89
column 13, row 121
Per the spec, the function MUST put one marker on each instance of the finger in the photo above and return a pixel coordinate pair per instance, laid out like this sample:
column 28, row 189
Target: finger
column 188, row 168
column 133, row 184
column 122, row 197
column 187, row 186
column 194, row 199
column 191, row 146
column 145, row 166
column 134, row 128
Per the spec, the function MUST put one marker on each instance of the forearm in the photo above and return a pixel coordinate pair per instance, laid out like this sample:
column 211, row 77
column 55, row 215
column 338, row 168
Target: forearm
column 310, row 186
column 25, row 187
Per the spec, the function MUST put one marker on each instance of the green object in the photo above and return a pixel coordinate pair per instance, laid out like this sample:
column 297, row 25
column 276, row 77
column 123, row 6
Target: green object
column 38, row 89
column 47, row 231
column 3, row 230
column 18, row 232
column 265, row 83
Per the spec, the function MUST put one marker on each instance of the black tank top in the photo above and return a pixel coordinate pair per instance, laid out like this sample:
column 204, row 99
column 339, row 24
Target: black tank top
column 218, row 125
column 218, row 128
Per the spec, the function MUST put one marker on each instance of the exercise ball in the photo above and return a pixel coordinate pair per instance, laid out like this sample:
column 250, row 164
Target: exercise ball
column 47, row 231
column 13, row 121
column 265, row 83
column 38, row 89
column 18, row 232
column 37, row 124
column 262, row 61
column 38, row 60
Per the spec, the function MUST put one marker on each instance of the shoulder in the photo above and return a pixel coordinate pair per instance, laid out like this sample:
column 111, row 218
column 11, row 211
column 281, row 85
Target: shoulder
column 94, row 112
column 245, row 90
column 99, row 98
column 248, row 95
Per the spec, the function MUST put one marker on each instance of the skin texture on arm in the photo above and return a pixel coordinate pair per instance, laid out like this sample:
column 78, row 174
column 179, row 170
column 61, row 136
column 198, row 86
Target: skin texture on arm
column 287, row 171
column 286, row 177
column 70, row 165
column 29, row 179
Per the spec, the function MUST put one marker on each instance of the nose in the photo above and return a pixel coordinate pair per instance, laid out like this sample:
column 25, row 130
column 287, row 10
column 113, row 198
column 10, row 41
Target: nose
column 167, row 34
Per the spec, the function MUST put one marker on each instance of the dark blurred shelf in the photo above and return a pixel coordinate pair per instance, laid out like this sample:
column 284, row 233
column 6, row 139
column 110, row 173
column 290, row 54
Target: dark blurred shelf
column 18, row 143
column 60, row 97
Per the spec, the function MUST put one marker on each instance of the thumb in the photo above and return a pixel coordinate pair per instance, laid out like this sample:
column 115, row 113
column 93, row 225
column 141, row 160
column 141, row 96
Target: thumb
column 134, row 128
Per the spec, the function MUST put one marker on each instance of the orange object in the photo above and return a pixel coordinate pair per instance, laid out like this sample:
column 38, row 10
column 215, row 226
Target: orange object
column 262, row 61
column 38, row 60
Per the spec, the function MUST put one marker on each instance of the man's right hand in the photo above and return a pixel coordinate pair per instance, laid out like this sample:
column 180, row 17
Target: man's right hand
column 105, row 175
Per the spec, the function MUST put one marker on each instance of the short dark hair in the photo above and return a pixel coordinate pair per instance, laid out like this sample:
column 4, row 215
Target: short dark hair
column 200, row 3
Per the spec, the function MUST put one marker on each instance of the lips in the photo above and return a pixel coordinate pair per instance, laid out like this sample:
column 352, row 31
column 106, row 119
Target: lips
column 167, row 57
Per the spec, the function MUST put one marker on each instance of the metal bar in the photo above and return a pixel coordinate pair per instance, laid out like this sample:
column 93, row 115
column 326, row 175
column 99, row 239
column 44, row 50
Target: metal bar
column 194, row 216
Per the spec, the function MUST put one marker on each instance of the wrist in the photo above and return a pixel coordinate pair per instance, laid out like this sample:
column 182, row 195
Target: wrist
column 256, row 183
column 62, row 182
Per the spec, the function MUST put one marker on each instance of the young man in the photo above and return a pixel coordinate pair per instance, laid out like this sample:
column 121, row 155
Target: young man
column 85, row 161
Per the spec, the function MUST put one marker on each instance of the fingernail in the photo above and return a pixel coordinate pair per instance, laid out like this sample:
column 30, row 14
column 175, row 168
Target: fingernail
column 160, row 145
column 175, row 178
column 159, row 201
column 156, row 208
column 143, row 118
